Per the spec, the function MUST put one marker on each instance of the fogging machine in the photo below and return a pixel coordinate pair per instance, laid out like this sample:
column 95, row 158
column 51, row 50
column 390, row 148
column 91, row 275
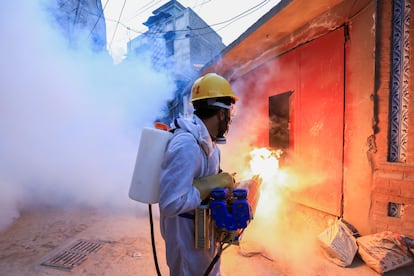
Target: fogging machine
column 229, row 212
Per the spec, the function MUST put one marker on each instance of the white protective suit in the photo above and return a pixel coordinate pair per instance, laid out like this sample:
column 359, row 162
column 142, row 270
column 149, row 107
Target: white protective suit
column 190, row 154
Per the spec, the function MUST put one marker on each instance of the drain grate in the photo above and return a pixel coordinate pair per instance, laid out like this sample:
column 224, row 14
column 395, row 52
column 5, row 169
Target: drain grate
column 74, row 256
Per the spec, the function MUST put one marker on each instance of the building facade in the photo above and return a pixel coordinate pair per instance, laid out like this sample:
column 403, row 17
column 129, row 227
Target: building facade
column 333, row 88
column 82, row 22
column 179, row 42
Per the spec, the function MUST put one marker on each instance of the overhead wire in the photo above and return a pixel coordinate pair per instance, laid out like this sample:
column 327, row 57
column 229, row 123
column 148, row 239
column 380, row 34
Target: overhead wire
column 235, row 18
column 159, row 34
column 118, row 22
column 144, row 9
column 229, row 21
column 200, row 5
column 99, row 17
column 245, row 13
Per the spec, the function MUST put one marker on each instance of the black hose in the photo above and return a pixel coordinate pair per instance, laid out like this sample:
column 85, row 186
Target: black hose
column 154, row 251
column 210, row 267
column 214, row 261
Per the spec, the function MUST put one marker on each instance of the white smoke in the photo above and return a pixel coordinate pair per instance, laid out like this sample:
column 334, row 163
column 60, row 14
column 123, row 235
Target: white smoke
column 69, row 120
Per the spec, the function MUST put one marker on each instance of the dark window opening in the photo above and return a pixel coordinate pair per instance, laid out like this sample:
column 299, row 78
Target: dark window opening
column 169, row 43
column 170, row 47
column 279, row 120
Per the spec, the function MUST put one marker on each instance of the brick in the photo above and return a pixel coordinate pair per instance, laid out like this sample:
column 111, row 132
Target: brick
column 380, row 197
column 407, row 189
column 407, row 219
column 407, row 201
column 398, row 199
column 393, row 228
column 380, row 209
column 381, row 226
column 393, row 222
column 408, row 193
column 408, row 213
column 379, row 216
column 408, row 232
column 381, row 205
column 382, row 190
column 395, row 188
column 408, row 225
column 390, row 175
column 381, row 182
column 409, row 176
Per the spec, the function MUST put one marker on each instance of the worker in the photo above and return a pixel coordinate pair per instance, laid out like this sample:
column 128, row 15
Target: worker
column 191, row 169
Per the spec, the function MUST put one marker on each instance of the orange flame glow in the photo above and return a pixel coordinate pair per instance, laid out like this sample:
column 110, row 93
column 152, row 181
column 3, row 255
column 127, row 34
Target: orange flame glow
column 264, row 165
column 275, row 231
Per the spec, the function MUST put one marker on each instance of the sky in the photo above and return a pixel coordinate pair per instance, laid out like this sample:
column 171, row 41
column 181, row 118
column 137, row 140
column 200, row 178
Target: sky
column 229, row 18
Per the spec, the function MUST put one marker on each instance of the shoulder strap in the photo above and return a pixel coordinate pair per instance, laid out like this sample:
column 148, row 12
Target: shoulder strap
column 176, row 126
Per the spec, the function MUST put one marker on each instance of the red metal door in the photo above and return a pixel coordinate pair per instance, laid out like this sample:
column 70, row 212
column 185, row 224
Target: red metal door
column 314, row 73
column 319, row 122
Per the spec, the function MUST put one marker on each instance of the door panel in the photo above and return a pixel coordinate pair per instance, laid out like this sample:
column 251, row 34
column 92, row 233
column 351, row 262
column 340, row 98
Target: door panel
column 320, row 121
column 315, row 75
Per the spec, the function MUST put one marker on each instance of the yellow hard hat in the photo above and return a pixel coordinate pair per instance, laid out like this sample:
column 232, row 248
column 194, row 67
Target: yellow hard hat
column 211, row 85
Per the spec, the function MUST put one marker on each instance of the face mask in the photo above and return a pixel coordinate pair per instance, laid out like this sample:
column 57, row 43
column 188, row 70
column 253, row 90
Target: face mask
column 223, row 128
